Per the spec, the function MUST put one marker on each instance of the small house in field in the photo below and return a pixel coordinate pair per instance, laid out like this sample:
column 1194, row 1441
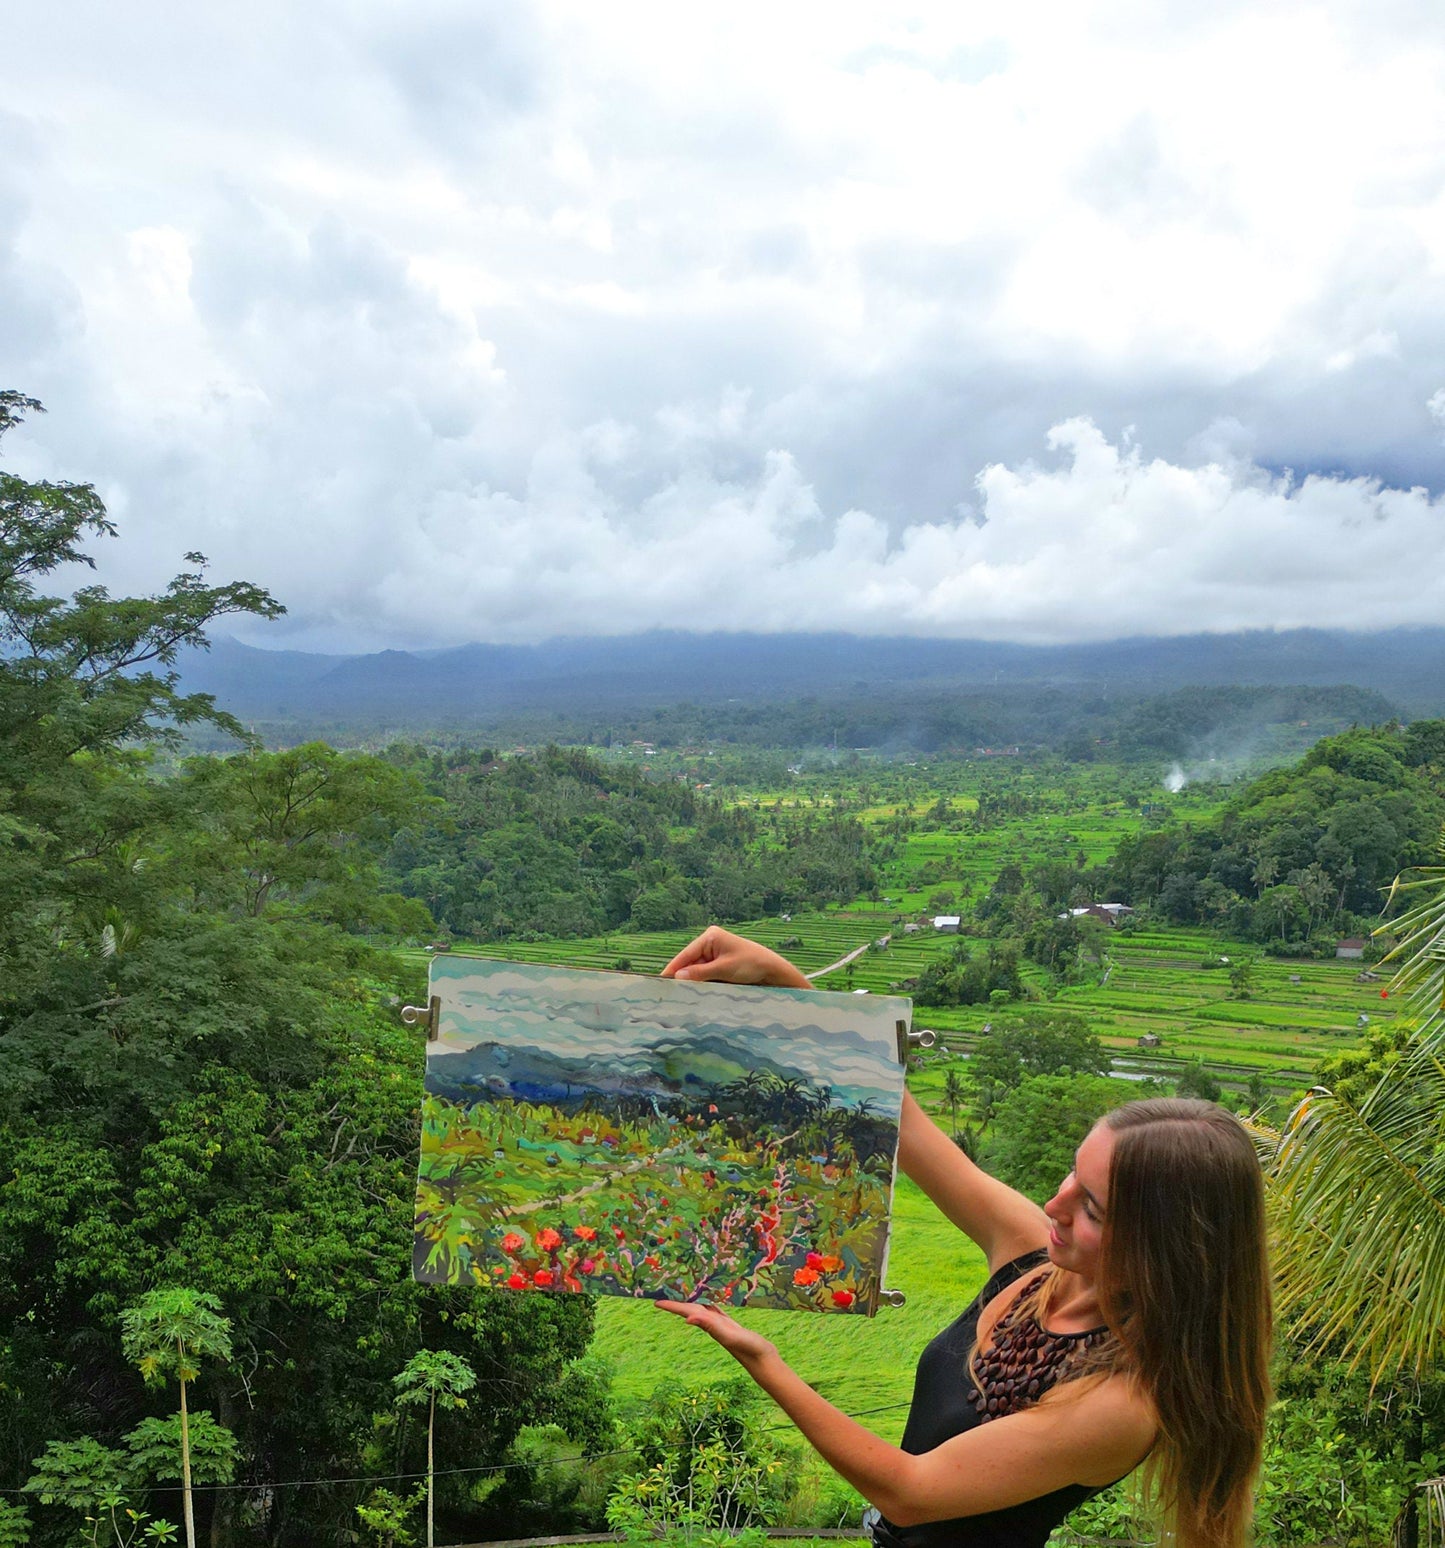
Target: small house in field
column 1110, row 913
column 1150, row 1040
column 947, row 924
column 1351, row 946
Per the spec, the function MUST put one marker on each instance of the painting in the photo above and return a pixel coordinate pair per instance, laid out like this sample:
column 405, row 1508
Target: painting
column 622, row 1135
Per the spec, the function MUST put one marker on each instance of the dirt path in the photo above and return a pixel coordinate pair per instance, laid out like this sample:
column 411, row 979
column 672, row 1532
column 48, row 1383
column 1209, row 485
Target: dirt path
column 842, row 961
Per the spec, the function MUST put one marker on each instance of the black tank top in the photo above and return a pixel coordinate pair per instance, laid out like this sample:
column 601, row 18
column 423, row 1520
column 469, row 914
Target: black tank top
column 942, row 1408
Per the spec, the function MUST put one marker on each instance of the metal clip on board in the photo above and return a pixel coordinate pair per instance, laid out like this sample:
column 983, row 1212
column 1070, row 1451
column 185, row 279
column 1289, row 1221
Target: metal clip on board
column 908, row 1039
column 423, row 1016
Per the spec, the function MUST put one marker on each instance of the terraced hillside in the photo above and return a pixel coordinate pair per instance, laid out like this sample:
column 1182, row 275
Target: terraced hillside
column 1153, row 982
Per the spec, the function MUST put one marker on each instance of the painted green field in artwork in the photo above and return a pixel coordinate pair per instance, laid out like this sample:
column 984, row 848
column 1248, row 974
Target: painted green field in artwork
column 863, row 1365
column 533, row 1198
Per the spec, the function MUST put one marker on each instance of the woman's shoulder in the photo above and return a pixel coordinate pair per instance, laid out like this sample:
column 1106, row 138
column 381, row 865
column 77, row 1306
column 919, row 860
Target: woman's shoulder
column 1010, row 1273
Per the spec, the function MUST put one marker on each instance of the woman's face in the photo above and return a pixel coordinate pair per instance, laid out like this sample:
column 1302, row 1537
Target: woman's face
column 1076, row 1211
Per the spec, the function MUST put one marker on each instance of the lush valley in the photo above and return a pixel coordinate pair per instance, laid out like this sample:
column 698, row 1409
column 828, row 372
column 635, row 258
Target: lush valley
column 211, row 1112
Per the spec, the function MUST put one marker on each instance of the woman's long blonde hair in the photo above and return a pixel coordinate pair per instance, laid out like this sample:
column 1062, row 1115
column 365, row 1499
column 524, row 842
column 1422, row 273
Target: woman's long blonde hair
column 1184, row 1287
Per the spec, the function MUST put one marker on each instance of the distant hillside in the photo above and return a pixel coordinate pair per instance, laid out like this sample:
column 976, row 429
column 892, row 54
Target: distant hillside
column 600, row 680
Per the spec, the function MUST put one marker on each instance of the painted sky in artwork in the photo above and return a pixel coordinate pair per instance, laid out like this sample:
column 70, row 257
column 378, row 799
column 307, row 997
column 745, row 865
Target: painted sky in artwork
column 627, row 1028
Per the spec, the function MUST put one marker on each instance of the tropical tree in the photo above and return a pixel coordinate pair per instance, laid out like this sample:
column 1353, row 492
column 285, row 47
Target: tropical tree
column 954, row 1092
column 437, row 1378
column 1358, row 1181
column 166, row 1333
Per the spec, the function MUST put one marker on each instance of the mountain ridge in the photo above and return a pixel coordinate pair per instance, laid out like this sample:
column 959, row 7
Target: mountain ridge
column 567, row 674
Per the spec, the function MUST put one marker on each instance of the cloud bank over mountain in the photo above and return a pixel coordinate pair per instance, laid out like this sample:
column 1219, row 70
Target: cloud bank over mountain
column 547, row 320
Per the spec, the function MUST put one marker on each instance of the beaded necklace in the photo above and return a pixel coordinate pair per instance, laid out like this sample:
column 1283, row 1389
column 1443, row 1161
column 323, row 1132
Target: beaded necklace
column 1024, row 1359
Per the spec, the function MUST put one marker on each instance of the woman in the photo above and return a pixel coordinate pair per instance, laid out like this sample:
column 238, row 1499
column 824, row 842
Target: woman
column 1127, row 1319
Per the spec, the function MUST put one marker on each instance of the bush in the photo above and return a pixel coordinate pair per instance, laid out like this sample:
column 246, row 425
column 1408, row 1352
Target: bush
column 705, row 1462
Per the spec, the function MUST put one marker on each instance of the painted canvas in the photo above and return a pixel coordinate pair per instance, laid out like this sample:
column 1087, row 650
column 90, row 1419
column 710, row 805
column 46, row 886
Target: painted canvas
column 622, row 1135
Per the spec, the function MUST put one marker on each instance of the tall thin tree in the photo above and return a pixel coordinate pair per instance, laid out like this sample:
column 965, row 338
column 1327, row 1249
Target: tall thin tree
column 438, row 1379
column 166, row 1333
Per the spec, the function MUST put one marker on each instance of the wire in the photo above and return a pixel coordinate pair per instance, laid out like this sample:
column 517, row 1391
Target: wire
column 446, row 1472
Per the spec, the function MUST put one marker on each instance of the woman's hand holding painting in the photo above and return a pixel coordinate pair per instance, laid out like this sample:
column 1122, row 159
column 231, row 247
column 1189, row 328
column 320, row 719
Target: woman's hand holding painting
column 726, row 958
column 742, row 1343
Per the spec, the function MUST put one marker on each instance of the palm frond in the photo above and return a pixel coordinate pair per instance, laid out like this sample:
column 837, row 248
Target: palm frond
column 1358, row 1199
column 1420, row 932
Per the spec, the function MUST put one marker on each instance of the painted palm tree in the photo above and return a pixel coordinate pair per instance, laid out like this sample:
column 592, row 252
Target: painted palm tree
column 1358, row 1190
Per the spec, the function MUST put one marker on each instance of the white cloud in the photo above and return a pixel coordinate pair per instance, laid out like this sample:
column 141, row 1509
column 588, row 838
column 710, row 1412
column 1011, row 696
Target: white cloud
column 1097, row 542
column 450, row 323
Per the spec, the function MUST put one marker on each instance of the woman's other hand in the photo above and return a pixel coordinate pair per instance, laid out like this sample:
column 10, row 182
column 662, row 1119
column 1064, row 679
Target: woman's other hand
column 742, row 1343
column 719, row 955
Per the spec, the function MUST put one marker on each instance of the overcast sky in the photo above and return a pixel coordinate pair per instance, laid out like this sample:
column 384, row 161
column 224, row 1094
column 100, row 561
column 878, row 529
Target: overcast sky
column 489, row 321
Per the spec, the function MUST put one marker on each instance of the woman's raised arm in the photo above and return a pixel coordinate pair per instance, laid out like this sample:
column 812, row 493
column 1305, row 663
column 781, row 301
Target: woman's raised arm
column 1003, row 1222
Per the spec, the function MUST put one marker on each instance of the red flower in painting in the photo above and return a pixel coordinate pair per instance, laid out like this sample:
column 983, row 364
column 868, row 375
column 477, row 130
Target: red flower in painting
column 512, row 1243
column 517, row 1282
column 543, row 1278
column 548, row 1239
column 830, row 1264
column 585, row 1233
column 815, row 1260
column 805, row 1276
column 843, row 1298
column 652, row 1262
column 619, row 1233
column 589, row 1266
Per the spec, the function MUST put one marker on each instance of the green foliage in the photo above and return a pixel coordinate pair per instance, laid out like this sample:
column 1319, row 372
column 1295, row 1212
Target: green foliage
column 97, row 1480
column 963, row 979
column 79, row 1474
column 203, row 1082
column 434, row 1377
column 300, row 830
column 1039, row 1125
column 155, row 1450
column 705, row 1462
column 1352, row 1074
column 386, row 1516
column 1194, row 1080
column 562, row 843
column 168, row 1330
column 1037, row 1043
column 1300, row 854
column 14, row 1525
column 1318, row 1485
column 80, row 679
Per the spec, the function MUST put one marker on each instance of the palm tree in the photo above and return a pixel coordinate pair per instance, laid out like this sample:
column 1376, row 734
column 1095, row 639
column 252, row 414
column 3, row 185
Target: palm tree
column 954, row 1092
column 1358, row 1189
column 167, row 1332
column 437, row 1378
